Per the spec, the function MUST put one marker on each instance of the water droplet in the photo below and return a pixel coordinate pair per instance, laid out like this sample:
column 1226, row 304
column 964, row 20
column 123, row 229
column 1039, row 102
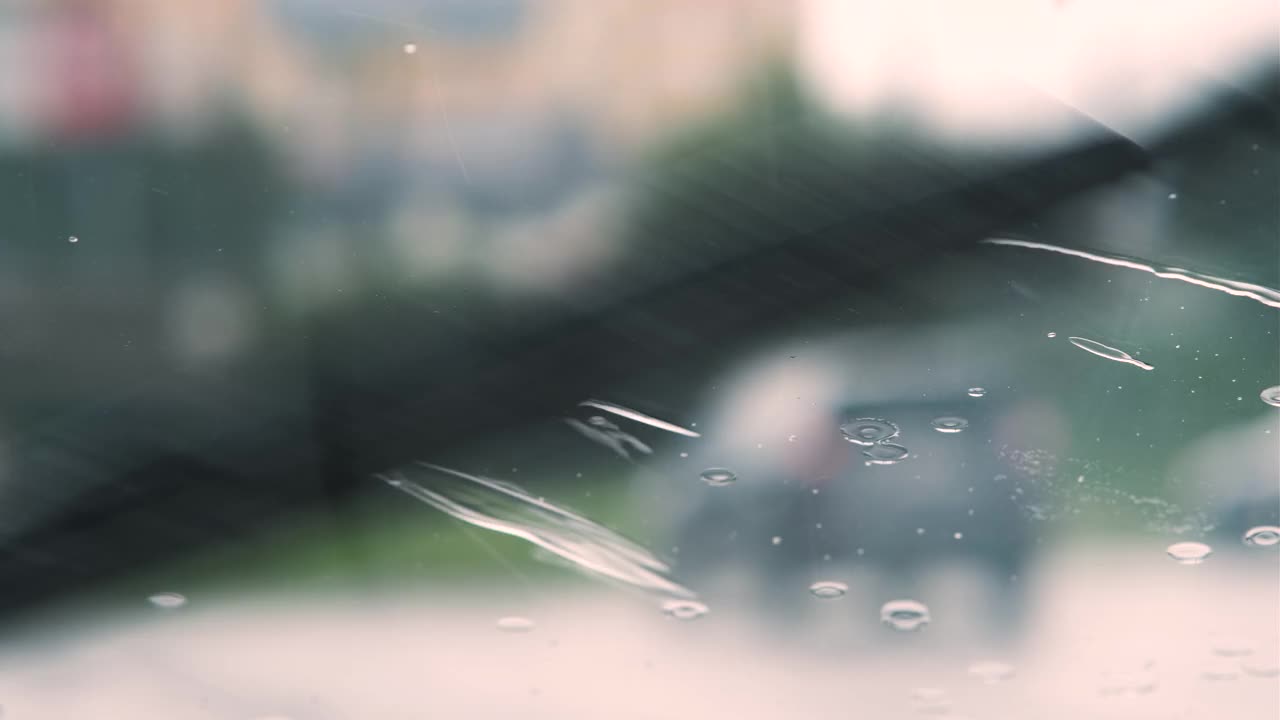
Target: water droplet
column 958, row 536
column 776, row 540
column 1262, row 536
column 1173, row 196
column 515, row 624
column 791, row 438
column 1189, row 553
column 1051, row 334
column 868, row 431
column 718, row 477
column 886, row 454
column 1271, row 395
column 1220, row 671
column 977, row 392
column 168, row 600
column 600, row 421
column 991, row 671
column 410, row 48
column 684, row 454
column 1108, row 352
column 828, row 589
column 1231, row 646
column 949, row 424
column 684, row 609
column 73, row 239
column 904, row 615
column 1264, row 666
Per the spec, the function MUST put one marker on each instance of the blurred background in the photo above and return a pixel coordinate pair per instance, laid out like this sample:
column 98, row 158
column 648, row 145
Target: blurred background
column 258, row 257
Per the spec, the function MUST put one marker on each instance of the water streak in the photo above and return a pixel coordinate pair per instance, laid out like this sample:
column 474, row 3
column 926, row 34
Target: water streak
column 508, row 509
column 630, row 414
column 611, row 437
column 1261, row 293
column 1108, row 352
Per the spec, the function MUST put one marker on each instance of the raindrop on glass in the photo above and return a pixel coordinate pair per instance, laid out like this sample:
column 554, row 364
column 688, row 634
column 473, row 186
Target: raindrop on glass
column 977, row 392
column 868, row 431
column 73, row 239
column 1231, row 646
column 1262, row 536
column 1108, row 352
column 1271, row 395
column 828, row 589
column 991, row 671
column 1219, row 671
column 515, row 624
column 1051, row 334
column 886, row 454
column 684, row 609
column 718, row 477
column 1189, row 553
column 949, row 424
column 410, row 48
column 1267, row 666
column 776, row 540
column 904, row 615
column 168, row 600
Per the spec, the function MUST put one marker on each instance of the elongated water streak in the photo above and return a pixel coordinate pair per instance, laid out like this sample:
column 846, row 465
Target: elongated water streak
column 630, row 414
column 508, row 509
column 1260, row 293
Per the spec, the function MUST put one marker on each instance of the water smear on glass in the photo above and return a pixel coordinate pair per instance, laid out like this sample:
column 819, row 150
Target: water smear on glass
column 1260, row 293
column 1108, row 352
column 640, row 417
column 508, row 509
column 610, row 436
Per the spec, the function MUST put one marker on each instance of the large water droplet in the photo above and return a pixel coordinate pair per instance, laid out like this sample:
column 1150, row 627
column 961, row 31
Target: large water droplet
column 515, row 624
column 886, row 454
column 1108, row 352
column 1262, row 536
column 1271, row 395
column 718, row 477
column 904, row 615
column 684, row 609
column 949, row 424
column 977, row 392
column 828, row 589
column 168, row 600
column 868, row 431
column 1189, row 553
column 991, row 671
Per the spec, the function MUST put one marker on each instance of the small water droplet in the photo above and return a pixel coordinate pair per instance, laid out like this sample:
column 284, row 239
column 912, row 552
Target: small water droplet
column 1173, row 196
column 1271, row 395
column 949, row 424
column 977, row 392
column 1232, row 646
column 776, row 540
column 886, row 454
column 1262, row 666
column 1220, row 671
column 1108, row 352
column 904, row 615
column 868, row 431
column 791, row 438
column 828, row 589
column 515, row 624
column 718, row 477
column 410, row 48
column 1262, row 536
column 991, row 671
column 958, row 536
column 684, row 609
column 1051, row 334
column 919, row 531
column 73, row 239
column 168, row 600
column 1189, row 553
column 684, row 454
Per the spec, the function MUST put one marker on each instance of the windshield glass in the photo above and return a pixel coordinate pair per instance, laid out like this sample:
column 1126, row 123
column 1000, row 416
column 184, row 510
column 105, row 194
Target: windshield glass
column 637, row 360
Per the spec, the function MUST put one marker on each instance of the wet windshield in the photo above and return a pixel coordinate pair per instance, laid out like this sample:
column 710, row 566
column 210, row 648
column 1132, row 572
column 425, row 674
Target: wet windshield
column 636, row 360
